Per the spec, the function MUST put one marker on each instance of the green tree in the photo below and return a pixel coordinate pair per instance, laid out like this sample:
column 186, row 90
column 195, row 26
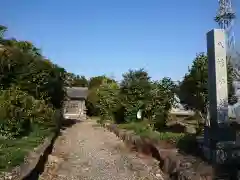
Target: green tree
column 28, row 47
column 20, row 112
column 108, row 100
column 193, row 90
column 93, row 98
column 21, row 65
column 134, row 92
column 73, row 80
column 162, row 98
column 97, row 81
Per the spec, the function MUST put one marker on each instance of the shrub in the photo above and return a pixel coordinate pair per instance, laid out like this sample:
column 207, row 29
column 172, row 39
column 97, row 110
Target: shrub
column 35, row 75
column 20, row 112
column 92, row 102
column 144, row 130
column 108, row 100
column 162, row 96
column 134, row 92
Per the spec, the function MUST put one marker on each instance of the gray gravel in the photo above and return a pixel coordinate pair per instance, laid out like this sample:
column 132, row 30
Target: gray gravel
column 86, row 151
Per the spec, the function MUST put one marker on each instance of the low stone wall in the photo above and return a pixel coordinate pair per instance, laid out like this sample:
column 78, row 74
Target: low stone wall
column 31, row 161
column 172, row 163
column 23, row 170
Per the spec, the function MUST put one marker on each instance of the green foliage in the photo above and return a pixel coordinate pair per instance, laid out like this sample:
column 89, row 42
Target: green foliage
column 93, row 99
column 91, row 103
column 162, row 98
column 38, row 77
column 193, row 90
column 32, row 88
column 97, row 81
column 13, row 151
column 134, row 92
column 73, row 80
column 144, row 130
column 19, row 112
column 108, row 100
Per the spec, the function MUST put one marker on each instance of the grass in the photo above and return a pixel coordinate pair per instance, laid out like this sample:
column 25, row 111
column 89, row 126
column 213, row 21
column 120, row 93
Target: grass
column 144, row 130
column 13, row 151
column 184, row 142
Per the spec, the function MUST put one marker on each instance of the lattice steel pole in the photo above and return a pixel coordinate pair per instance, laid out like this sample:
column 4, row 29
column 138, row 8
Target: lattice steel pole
column 225, row 18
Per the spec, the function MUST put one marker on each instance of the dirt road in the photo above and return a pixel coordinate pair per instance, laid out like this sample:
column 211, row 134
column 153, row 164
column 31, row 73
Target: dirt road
column 86, row 151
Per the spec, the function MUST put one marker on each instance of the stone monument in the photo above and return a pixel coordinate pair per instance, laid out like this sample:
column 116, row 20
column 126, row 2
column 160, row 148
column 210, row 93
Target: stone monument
column 217, row 77
column 219, row 136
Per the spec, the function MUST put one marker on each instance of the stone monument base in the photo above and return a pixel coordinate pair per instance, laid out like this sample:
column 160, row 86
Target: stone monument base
column 220, row 145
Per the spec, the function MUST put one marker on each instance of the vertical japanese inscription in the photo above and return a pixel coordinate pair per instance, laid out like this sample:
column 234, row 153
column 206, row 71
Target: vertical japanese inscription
column 218, row 92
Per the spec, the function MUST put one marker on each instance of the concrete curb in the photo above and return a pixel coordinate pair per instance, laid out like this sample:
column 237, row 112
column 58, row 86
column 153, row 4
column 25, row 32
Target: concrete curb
column 33, row 158
column 172, row 163
column 30, row 162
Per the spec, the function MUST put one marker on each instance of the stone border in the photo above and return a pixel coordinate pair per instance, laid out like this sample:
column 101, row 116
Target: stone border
column 30, row 161
column 34, row 157
column 172, row 163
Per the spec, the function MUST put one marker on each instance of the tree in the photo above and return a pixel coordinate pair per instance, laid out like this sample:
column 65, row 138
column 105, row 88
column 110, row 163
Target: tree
column 108, row 100
column 134, row 92
column 80, row 81
column 28, row 47
column 98, row 80
column 73, row 80
column 161, row 100
column 193, row 90
column 93, row 98
column 22, row 66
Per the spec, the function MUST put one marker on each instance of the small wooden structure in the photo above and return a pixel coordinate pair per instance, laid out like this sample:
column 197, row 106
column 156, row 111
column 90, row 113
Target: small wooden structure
column 74, row 107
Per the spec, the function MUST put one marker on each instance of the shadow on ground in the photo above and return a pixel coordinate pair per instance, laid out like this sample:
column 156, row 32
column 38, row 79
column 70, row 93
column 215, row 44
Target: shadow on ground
column 39, row 169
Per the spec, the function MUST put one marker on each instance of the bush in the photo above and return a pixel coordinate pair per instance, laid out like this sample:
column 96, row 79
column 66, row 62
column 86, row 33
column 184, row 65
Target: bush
column 162, row 98
column 108, row 100
column 136, row 92
column 34, row 75
column 144, row 130
column 31, row 89
column 20, row 112
column 92, row 102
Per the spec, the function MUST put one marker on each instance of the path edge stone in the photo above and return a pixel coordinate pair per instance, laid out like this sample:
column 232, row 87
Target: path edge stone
column 32, row 159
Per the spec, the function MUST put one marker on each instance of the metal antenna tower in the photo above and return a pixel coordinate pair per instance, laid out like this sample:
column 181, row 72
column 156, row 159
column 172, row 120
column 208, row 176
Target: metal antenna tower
column 225, row 18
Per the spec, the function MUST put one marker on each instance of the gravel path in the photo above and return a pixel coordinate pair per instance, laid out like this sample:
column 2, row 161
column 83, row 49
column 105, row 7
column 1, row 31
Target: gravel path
column 86, row 151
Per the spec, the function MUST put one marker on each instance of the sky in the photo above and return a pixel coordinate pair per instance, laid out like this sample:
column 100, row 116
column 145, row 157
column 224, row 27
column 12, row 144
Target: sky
column 93, row 37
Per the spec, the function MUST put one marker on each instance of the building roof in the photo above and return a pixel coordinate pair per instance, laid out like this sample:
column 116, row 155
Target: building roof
column 77, row 92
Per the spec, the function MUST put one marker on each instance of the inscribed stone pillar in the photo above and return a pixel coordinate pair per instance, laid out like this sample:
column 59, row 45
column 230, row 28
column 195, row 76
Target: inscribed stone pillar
column 217, row 77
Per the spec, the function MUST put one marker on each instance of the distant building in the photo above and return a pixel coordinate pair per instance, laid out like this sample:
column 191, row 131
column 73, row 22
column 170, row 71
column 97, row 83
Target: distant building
column 74, row 106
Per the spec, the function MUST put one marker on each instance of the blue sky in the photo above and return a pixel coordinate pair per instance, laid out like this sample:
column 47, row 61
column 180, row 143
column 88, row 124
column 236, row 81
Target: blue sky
column 93, row 37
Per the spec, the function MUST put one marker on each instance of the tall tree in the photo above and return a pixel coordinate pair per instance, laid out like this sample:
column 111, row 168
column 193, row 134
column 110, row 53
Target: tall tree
column 193, row 90
column 135, row 91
